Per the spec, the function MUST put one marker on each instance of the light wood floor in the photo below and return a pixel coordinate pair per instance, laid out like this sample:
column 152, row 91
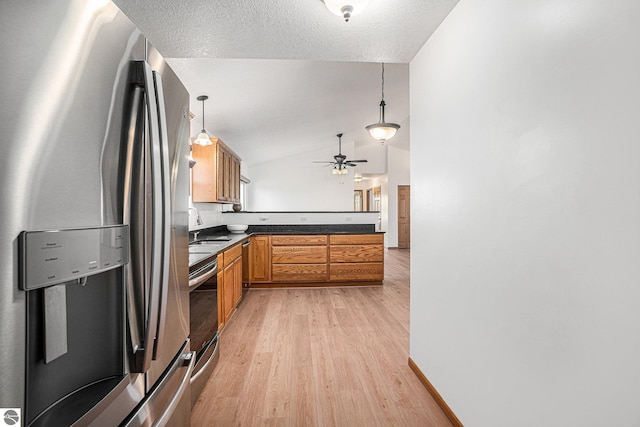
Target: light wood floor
column 320, row 357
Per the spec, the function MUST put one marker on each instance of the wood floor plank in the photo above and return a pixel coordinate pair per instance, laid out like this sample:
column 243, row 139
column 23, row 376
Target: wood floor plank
column 320, row 357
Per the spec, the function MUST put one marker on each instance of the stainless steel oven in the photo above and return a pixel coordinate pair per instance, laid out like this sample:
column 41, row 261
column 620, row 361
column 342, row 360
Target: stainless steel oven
column 203, row 301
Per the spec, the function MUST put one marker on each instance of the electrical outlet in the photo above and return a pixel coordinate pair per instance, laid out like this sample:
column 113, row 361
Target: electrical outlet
column 303, row 218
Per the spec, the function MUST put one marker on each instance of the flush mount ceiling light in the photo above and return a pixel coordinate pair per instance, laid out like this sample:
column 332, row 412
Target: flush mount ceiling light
column 203, row 136
column 382, row 130
column 346, row 8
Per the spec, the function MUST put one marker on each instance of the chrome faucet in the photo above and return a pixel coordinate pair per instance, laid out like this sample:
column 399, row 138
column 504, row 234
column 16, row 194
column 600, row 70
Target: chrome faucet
column 198, row 217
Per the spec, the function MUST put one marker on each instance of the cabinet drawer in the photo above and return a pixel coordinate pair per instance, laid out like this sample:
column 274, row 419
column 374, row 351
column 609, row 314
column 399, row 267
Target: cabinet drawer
column 356, row 271
column 297, row 240
column 356, row 239
column 356, row 253
column 298, row 254
column 230, row 255
column 299, row 272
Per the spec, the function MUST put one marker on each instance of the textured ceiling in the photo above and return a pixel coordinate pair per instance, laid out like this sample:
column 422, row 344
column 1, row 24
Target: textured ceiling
column 389, row 31
column 284, row 76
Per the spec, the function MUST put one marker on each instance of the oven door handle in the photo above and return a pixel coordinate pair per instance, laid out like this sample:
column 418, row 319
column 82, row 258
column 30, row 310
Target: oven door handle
column 207, row 272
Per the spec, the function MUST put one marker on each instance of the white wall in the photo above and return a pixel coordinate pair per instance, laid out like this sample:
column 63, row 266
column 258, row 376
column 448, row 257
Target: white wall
column 295, row 183
column 525, row 174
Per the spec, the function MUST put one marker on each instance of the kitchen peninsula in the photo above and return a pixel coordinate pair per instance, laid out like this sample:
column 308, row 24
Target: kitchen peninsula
column 332, row 249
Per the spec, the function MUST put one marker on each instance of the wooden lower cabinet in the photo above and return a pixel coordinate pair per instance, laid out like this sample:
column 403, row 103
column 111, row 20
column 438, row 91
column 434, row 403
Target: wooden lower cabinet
column 356, row 271
column 356, row 257
column 237, row 281
column 299, row 255
column 317, row 259
column 356, row 253
column 260, row 259
column 229, row 283
column 299, row 272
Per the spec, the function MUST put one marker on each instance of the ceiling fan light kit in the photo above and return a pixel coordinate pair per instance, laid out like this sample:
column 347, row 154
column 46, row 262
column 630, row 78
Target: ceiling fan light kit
column 342, row 170
column 382, row 130
column 346, row 8
column 203, row 137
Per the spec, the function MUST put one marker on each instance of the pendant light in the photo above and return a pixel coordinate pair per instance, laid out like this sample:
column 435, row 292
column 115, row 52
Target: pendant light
column 346, row 8
column 203, row 136
column 382, row 130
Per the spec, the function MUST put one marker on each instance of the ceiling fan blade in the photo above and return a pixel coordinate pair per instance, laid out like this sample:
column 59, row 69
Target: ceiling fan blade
column 357, row 161
column 350, row 164
column 323, row 162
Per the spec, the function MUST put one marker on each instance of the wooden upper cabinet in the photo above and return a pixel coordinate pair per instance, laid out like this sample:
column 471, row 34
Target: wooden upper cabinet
column 216, row 174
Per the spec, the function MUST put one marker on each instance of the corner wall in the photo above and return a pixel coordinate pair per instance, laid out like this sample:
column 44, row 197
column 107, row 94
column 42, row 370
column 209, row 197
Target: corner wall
column 525, row 175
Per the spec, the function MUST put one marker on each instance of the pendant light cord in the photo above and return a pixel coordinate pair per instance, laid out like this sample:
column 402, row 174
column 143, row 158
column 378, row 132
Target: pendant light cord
column 383, row 81
column 382, row 103
column 203, row 116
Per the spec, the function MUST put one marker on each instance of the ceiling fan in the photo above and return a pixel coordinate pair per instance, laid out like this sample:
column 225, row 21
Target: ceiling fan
column 340, row 161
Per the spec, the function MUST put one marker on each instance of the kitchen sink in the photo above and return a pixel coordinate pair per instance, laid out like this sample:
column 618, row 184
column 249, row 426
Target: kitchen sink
column 204, row 247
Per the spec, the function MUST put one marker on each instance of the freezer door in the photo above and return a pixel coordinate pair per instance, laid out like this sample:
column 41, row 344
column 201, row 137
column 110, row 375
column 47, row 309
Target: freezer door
column 169, row 401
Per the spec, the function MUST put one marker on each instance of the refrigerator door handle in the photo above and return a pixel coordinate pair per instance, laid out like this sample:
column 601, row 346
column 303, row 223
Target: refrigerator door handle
column 156, row 228
column 133, row 271
column 145, row 278
column 166, row 210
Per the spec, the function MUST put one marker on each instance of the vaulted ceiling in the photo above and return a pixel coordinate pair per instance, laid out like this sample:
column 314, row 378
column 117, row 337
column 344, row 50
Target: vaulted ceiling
column 284, row 76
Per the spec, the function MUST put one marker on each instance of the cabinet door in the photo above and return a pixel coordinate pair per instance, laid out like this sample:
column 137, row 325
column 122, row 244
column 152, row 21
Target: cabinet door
column 221, row 317
column 219, row 171
column 237, row 181
column 228, row 282
column 226, row 191
column 237, row 284
column 232, row 179
column 260, row 259
column 203, row 175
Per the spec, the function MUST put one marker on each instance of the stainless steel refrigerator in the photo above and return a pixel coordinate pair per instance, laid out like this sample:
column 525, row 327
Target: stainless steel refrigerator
column 94, row 304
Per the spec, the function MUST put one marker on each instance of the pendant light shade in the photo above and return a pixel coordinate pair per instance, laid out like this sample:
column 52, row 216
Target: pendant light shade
column 346, row 8
column 203, row 137
column 382, row 130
